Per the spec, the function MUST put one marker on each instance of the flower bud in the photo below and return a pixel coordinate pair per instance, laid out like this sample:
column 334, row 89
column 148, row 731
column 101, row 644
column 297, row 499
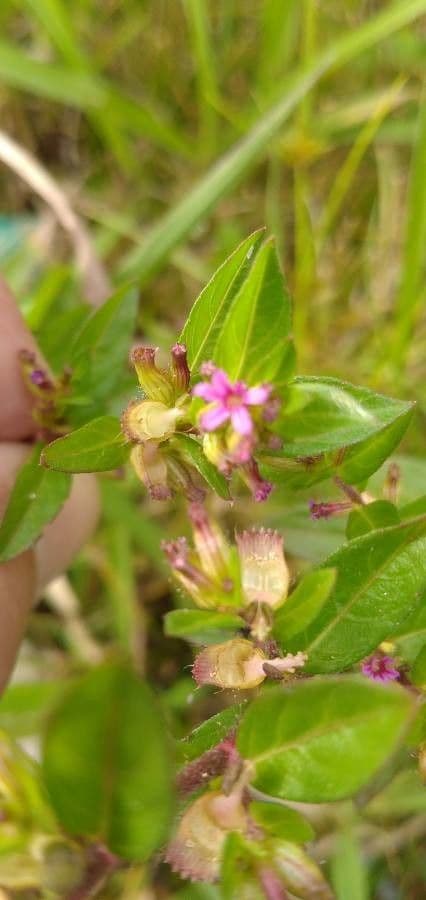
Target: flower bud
column 196, row 850
column 181, row 478
column 260, row 488
column 323, row 510
column 145, row 420
column 151, row 468
column 264, row 573
column 36, row 378
column 209, row 543
column 236, row 665
column 154, row 382
column 300, row 874
column 193, row 580
column 179, row 369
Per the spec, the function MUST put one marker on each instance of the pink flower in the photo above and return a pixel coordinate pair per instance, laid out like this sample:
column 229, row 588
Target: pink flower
column 380, row 668
column 228, row 401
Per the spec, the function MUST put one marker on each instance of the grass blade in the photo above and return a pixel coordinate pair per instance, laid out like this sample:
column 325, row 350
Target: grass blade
column 411, row 289
column 176, row 224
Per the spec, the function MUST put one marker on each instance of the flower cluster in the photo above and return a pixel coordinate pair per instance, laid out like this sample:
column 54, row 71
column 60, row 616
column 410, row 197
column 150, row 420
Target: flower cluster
column 216, row 577
column 149, row 424
column 256, row 582
column 235, row 423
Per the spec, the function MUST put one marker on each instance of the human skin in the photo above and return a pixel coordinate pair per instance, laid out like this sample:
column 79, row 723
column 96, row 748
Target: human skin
column 22, row 578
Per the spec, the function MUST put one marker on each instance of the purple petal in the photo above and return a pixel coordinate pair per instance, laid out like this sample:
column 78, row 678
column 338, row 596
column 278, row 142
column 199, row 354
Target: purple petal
column 241, row 420
column 214, row 417
column 257, row 395
column 204, row 390
column 221, row 384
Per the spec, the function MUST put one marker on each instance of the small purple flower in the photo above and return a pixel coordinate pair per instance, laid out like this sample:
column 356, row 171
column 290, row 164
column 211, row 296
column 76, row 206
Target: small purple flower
column 380, row 668
column 229, row 401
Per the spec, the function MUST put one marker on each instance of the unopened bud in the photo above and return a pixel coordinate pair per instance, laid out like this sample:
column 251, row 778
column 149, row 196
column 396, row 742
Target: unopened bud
column 154, row 382
column 210, row 544
column 264, row 573
column 196, row 850
column 181, row 478
column 147, row 420
column 179, row 369
column 151, row 468
column 392, row 482
column 36, row 378
column 323, row 510
column 300, row 874
column 186, row 571
column 236, row 665
column 260, row 488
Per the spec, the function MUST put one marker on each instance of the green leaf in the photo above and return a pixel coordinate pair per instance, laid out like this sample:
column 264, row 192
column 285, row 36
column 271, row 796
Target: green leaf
column 348, row 870
column 415, row 508
column 380, row 578
column 255, row 338
column 101, row 373
column 36, row 499
column 201, row 626
column 411, row 636
column 401, row 798
column 320, row 740
column 207, row 316
column 98, row 446
column 418, row 671
column 94, row 328
column 24, row 706
column 332, row 427
column 282, row 821
column 114, row 780
column 192, row 450
column 303, row 606
column 53, row 337
column 211, row 731
column 370, row 517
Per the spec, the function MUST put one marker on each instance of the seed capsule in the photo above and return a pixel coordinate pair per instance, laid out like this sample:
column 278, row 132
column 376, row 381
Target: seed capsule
column 196, row 850
column 236, row 664
column 149, row 420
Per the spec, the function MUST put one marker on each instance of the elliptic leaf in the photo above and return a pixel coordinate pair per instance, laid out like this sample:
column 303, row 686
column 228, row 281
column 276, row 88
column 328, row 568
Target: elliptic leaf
column 321, row 739
column 36, row 499
column 107, row 764
column 98, row 446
